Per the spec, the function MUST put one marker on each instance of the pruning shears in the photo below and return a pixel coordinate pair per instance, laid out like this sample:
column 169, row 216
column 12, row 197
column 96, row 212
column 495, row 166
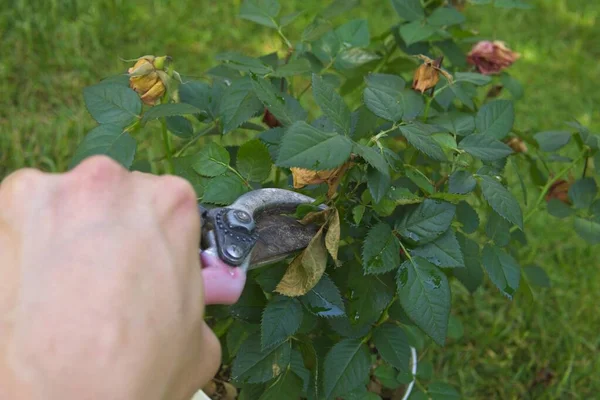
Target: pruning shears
column 254, row 231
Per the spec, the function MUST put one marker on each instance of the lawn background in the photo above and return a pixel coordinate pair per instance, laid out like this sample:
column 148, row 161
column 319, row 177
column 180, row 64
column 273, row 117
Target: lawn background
column 51, row 49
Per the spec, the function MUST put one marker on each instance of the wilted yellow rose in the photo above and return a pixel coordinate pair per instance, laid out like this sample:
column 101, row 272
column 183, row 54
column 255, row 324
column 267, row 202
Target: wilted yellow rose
column 428, row 74
column 147, row 79
column 332, row 177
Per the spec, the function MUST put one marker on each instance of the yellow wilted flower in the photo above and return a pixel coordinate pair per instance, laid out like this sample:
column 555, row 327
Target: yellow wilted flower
column 148, row 79
column 332, row 177
column 428, row 74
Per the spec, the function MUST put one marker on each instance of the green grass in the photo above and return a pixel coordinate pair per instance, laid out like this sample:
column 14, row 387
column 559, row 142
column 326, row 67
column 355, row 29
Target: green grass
column 52, row 50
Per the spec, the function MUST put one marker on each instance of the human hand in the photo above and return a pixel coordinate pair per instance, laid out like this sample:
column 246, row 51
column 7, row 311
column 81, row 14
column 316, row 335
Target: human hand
column 101, row 292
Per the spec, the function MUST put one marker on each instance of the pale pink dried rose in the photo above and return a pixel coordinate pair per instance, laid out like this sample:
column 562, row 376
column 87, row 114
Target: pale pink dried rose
column 491, row 57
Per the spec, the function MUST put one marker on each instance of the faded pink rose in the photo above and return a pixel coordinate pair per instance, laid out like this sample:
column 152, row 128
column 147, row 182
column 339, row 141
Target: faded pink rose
column 491, row 57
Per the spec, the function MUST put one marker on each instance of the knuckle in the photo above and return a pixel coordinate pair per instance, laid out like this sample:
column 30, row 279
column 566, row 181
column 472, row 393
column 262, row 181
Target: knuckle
column 180, row 192
column 99, row 169
column 21, row 181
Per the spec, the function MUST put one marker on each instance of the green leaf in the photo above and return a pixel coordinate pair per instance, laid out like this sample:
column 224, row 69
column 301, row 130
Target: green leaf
column 416, row 31
column 357, row 213
column 456, row 330
column 354, row 33
column 442, row 252
column 254, row 365
column 370, row 296
column 180, row 126
column 498, row 229
column 346, row 367
column 317, row 28
column 287, row 385
column 202, row 96
column 583, row 192
column 424, row 293
column 386, row 374
column 183, row 167
column 423, row 142
column 502, row 268
column 262, row 12
column 109, row 140
column 281, row 319
column 512, row 4
column 485, row 147
column 373, row 157
column 381, row 250
column 552, row 140
column 212, row 160
column 457, row 123
column 111, row 103
column 513, row 86
column 472, row 275
column 224, row 189
column 382, row 104
column 472, row 77
column 168, row 110
column 338, row 7
column 427, row 221
column 288, row 19
column 496, row 118
column 392, row 344
column 324, row 300
column 307, row 147
column 410, row 10
column 293, row 67
column 537, row 276
column 412, row 103
column 378, row 183
column 442, row 391
column 558, row 209
column 353, row 58
column 390, row 84
column 332, row 104
column 501, row 200
column 250, row 305
column 285, row 108
column 588, row 229
column 239, row 104
column 467, row 216
column 462, row 182
column 445, row 16
column 253, row 161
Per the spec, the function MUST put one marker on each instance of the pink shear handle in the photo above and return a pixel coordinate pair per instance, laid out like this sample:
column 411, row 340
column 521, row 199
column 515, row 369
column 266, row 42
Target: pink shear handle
column 223, row 284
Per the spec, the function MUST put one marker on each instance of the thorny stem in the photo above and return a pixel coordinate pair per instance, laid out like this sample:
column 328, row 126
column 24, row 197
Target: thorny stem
column 167, row 145
column 546, row 188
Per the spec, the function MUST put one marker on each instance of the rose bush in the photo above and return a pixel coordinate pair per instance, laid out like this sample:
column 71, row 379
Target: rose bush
column 409, row 136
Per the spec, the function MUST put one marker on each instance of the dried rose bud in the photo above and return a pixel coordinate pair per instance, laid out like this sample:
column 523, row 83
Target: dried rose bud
column 428, row 74
column 517, row 145
column 270, row 120
column 491, row 57
column 148, row 79
column 303, row 177
column 559, row 190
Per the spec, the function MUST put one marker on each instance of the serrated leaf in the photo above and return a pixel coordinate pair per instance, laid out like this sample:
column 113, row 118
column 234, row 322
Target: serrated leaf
column 324, row 300
column 370, row 296
column 253, row 365
column 442, row 391
column 294, row 67
column 346, row 367
column 318, row 27
column 284, row 107
column 583, row 192
column 307, row 147
column 357, row 213
column 223, row 189
column 412, row 103
column 239, row 104
column 537, row 276
column 410, row 10
column 327, row 47
column 111, row 103
column 442, row 252
column 496, row 118
column 498, row 229
column 354, row 33
column 332, row 104
column 287, row 385
column 416, row 31
column 552, row 140
column 262, row 12
column 212, row 160
column 183, row 167
column 353, row 58
column 392, row 344
column 427, row 221
column 460, row 124
column 558, row 209
column 588, row 229
column 373, row 157
column 424, row 293
column 378, row 184
column 383, row 104
column 423, row 142
column 202, row 96
column 180, row 126
column 445, row 16
column 306, row 269
column 485, row 147
column 237, row 333
column 462, row 182
column 253, row 161
column 472, row 77
column 288, row 19
column 381, row 250
column 467, row 216
column 109, row 140
column 502, row 268
column 168, row 110
column 501, row 200
column 390, row 84
column 386, row 375
column 281, row 319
